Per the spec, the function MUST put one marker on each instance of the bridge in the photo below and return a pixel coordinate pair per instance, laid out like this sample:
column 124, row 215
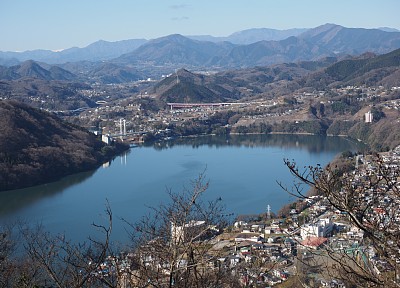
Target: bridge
column 192, row 105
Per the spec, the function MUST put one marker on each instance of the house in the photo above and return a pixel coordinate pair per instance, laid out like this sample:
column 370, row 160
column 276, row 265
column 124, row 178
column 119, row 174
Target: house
column 233, row 260
column 248, row 236
column 314, row 242
column 280, row 274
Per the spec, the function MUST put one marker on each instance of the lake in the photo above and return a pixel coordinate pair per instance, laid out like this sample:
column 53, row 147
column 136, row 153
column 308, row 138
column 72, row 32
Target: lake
column 242, row 170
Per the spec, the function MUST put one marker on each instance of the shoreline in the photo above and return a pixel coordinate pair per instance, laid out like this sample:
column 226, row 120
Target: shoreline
column 270, row 133
column 120, row 150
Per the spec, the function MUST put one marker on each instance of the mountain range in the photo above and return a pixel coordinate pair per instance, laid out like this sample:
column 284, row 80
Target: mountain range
column 105, row 50
column 97, row 51
column 242, row 49
column 250, row 36
column 164, row 55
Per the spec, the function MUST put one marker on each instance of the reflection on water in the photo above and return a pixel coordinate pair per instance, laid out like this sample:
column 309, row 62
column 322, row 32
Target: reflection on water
column 14, row 200
column 311, row 143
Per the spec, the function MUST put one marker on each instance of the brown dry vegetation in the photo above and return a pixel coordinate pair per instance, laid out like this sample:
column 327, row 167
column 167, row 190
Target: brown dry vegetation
column 37, row 147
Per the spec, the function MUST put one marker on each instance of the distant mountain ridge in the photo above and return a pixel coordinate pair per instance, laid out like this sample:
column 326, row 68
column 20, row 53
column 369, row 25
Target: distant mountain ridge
column 357, row 40
column 99, row 50
column 353, row 41
column 250, row 36
column 328, row 40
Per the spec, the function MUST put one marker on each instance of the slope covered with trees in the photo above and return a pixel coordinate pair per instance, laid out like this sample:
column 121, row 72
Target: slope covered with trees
column 348, row 69
column 37, row 147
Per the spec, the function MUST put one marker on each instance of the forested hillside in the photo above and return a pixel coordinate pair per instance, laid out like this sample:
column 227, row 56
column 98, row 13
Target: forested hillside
column 37, row 147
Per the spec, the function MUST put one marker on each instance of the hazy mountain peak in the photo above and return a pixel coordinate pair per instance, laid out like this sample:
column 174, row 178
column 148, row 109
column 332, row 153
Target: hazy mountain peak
column 388, row 29
column 177, row 38
column 323, row 29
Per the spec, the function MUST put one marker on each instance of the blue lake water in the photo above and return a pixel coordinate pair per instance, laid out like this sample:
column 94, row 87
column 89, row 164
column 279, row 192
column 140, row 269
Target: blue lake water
column 242, row 170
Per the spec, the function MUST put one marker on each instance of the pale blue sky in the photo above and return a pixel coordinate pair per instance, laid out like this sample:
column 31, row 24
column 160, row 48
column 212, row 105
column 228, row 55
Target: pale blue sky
column 58, row 24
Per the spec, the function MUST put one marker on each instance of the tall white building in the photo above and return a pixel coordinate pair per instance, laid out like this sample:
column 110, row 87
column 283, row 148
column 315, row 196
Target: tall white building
column 322, row 228
column 368, row 117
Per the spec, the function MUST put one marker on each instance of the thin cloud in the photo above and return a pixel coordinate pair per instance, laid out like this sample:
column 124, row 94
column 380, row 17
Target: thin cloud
column 180, row 6
column 184, row 18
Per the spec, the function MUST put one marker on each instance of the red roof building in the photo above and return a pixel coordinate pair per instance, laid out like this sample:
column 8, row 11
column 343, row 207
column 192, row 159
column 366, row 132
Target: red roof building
column 314, row 242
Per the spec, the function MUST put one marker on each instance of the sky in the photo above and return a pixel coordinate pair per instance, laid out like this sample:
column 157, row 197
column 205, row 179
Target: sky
column 60, row 24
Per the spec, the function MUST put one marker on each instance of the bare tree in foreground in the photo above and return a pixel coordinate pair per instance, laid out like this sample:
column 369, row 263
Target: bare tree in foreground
column 62, row 263
column 173, row 247
column 370, row 197
column 174, row 243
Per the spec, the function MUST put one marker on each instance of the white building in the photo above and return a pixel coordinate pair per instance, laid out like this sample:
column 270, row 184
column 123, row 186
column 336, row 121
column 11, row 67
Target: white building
column 368, row 117
column 192, row 230
column 106, row 139
column 322, row 228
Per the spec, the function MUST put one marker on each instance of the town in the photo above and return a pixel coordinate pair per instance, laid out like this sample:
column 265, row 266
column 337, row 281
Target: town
column 178, row 119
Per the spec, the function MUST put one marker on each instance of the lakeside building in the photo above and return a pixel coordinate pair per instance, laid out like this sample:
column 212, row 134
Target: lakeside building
column 322, row 228
column 107, row 139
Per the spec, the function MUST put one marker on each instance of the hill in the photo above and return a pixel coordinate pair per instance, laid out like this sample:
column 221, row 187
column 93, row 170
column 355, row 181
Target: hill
column 367, row 69
column 37, row 147
column 45, row 94
column 112, row 73
column 350, row 69
column 32, row 69
column 187, row 87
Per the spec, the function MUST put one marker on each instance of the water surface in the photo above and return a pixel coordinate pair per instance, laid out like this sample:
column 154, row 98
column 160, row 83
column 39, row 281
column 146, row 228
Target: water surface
column 242, row 170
